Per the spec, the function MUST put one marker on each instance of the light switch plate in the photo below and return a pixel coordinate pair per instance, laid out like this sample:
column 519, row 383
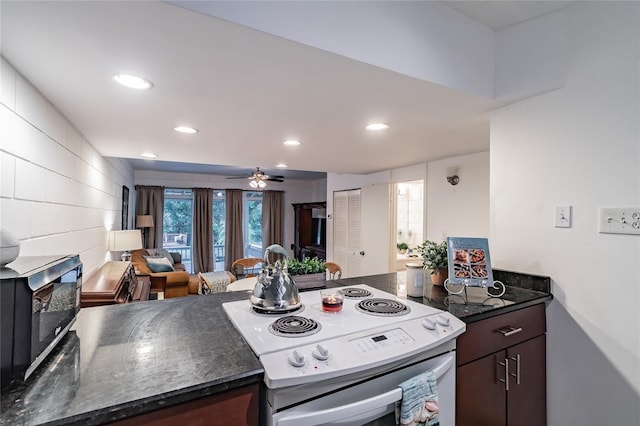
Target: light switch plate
column 619, row 220
column 562, row 217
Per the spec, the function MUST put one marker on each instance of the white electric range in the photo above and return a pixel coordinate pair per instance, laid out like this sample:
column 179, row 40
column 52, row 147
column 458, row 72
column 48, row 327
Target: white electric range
column 316, row 361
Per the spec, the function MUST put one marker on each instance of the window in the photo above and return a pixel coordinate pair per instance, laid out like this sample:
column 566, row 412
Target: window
column 178, row 223
column 219, row 218
column 252, row 223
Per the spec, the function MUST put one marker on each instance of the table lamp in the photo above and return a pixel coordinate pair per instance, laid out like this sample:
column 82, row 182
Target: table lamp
column 145, row 222
column 125, row 241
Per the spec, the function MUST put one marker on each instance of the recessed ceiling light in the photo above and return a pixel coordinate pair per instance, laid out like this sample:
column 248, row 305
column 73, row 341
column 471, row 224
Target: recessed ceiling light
column 291, row 142
column 148, row 155
column 185, row 129
column 281, row 166
column 377, row 126
column 133, row 82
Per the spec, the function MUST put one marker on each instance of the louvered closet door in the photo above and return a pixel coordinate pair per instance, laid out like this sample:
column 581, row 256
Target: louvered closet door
column 346, row 231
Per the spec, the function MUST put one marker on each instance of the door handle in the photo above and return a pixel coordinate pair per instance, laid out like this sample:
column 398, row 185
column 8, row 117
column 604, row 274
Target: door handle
column 362, row 253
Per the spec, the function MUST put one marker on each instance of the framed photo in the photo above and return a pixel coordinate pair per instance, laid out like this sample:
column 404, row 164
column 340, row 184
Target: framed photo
column 125, row 207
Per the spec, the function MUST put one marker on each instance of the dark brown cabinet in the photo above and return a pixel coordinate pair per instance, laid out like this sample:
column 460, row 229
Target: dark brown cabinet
column 236, row 407
column 501, row 374
column 309, row 230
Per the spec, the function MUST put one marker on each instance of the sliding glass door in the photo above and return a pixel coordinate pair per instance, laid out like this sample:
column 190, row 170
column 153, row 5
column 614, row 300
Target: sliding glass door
column 178, row 225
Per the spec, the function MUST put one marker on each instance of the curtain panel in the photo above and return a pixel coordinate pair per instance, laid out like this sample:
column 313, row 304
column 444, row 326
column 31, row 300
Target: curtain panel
column 272, row 218
column 150, row 201
column 233, row 241
column 202, row 230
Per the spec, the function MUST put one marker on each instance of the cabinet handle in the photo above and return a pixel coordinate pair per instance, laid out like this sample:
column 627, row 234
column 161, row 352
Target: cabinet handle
column 505, row 364
column 509, row 330
column 517, row 375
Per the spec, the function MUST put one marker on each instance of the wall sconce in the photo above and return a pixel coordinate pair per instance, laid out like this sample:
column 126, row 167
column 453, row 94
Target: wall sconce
column 452, row 176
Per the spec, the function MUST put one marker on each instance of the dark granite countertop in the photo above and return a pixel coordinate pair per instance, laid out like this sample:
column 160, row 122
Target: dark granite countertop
column 123, row 360
column 474, row 304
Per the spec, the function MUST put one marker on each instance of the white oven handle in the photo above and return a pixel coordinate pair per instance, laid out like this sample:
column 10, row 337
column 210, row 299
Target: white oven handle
column 355, row 408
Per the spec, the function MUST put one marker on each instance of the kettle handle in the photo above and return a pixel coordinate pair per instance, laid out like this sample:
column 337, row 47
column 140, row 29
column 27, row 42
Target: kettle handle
column 274, row 248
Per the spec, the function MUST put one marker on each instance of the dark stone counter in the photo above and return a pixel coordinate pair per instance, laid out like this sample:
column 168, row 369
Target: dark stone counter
column 123, row 360
column 474, row 304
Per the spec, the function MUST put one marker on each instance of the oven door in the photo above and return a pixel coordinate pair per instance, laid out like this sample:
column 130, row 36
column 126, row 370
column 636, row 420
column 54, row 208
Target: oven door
column 374, row 401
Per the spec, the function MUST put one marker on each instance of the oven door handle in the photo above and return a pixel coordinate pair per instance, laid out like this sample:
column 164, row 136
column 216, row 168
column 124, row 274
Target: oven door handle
column 355, row 408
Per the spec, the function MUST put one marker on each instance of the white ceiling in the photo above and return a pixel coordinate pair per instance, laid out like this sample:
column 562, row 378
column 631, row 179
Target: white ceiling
column 245, row 90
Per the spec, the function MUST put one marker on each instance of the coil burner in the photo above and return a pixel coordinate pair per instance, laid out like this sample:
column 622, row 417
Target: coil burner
column 354, row 292
column 383, row 307
column 294, row 326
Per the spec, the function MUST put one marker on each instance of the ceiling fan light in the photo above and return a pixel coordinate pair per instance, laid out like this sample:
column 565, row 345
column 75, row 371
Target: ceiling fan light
column 253, row 183
column 261, row 184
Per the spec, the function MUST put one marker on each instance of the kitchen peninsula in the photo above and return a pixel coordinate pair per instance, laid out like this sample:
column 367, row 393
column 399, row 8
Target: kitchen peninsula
column 129, row 360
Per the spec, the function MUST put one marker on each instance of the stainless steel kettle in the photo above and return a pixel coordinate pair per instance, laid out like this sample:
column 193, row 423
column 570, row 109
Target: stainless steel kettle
column 275, row 290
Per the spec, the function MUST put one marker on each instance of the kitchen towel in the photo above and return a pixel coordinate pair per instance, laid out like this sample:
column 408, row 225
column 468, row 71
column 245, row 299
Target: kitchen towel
column 419, row 405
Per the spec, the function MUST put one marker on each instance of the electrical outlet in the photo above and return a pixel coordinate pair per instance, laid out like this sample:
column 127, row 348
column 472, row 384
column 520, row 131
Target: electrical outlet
column 619, row 220
column 562, row 217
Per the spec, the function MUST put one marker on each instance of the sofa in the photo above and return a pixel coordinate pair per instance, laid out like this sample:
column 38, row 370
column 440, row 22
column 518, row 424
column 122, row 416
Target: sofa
column 177, row 283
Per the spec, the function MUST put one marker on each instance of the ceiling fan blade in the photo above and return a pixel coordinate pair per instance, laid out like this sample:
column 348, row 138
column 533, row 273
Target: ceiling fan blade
column 239, row 177
column 274, row 180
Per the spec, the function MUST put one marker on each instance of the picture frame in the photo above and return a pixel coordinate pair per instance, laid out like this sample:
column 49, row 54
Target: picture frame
column 125, row 207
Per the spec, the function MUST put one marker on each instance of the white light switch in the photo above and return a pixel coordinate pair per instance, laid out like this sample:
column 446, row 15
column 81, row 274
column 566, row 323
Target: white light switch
column 619, row 220
column 562, row 218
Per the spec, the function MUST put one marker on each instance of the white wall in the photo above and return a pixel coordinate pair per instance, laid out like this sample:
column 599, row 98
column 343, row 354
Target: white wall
column 58, row 195
column 580, row 146
column 295, row 191
column 461, row 210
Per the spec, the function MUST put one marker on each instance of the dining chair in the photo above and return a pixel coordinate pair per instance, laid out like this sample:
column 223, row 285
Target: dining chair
column 248, row 267
column 335, row 271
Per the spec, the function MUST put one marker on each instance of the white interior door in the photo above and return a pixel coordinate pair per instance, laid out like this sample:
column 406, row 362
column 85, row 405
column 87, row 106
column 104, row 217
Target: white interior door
column 346, row 231
column 361, row 230
column 375, row 240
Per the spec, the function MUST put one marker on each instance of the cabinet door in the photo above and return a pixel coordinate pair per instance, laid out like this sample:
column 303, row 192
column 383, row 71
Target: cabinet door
column 526, row 401
column 480, row 396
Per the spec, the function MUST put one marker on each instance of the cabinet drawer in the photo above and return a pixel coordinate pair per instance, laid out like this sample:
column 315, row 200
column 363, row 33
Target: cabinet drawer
column 493, row 334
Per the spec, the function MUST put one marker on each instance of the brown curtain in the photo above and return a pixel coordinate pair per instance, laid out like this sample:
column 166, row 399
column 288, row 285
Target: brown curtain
column 233, row 241
column 272, row 216
column 202, row 230
column 150, row 201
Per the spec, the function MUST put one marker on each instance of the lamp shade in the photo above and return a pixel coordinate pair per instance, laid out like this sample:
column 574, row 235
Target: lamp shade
column 125, row 240
column 144, row 221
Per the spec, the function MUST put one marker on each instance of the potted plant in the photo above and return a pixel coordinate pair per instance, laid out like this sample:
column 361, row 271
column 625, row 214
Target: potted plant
column 402, row 247
column 435, row 259
column 307, row 270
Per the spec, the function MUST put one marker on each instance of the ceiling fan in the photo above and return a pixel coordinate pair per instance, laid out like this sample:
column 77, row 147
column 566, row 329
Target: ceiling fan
column 258, row 178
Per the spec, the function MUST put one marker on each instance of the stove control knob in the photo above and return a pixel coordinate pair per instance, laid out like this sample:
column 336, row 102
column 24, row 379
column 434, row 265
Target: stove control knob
column 321, row 353
column 442, row 320
column 429, row 324
column 296, row 359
